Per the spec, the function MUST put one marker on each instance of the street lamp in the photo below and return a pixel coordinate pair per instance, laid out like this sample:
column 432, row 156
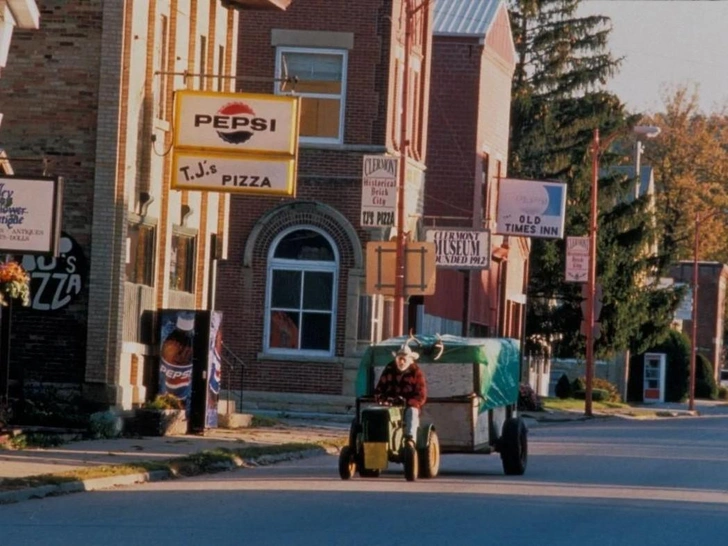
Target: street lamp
column 647, row 131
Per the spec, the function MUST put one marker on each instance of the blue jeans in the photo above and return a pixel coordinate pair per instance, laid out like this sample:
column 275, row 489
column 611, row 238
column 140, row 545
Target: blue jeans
column 411, row 422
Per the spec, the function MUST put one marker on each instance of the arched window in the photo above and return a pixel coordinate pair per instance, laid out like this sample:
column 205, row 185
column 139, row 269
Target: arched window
column 303, row 271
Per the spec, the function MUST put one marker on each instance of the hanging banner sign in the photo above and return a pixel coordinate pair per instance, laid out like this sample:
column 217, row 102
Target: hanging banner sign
column 30, row 214
column 531, row 208
column 577, row 259
column 379, row 191
column 261, row 175
column 460, row 248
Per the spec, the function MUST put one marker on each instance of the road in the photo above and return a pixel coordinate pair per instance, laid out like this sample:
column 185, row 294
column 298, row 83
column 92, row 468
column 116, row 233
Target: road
column 613, row 482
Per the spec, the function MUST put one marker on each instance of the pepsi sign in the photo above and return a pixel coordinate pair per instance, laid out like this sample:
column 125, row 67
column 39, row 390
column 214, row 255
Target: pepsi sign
column 236, row 122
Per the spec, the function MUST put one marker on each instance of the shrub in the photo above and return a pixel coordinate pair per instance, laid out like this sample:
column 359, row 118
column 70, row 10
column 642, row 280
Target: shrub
column 723, row 393
column 598, row 395
column 105, row 424
column 705, row 386
column 528, row 400
column 610, row 388
column 164, row 402
column 578, row 385
column 563, row 387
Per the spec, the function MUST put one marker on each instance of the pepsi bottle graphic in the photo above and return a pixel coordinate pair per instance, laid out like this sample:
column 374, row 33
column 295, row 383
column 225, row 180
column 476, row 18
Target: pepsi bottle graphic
column 176, row 355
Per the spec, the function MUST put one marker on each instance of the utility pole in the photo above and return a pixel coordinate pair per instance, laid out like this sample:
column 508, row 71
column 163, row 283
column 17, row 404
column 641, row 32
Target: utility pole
column 399, row 275
column 592, row 277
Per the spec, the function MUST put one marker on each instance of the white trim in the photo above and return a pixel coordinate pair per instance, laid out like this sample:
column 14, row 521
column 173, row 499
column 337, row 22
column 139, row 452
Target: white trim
column 301, row 265
column 344, row 54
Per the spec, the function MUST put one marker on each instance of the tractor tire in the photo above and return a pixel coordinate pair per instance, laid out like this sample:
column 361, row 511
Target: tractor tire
column 514, row 447
column 347, row 464
column 430, row 457
column 411, row 463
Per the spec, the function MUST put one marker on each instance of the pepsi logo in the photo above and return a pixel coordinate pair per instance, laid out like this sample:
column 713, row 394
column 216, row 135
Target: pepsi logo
column 236, row 123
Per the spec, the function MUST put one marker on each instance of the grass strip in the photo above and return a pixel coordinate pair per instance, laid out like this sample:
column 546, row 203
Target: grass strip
column 204, row 462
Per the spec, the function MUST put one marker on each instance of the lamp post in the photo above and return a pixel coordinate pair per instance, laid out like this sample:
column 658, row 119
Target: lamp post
column 649, row 132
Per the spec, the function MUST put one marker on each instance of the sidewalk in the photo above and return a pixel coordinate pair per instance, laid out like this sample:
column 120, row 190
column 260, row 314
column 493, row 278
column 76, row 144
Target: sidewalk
column 309, row 435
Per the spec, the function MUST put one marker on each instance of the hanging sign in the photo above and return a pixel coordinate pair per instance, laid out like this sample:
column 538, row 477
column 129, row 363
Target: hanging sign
column 30, row 214
column 577, row 259
column 460, row 248
column 531, row 208
column 379, row 191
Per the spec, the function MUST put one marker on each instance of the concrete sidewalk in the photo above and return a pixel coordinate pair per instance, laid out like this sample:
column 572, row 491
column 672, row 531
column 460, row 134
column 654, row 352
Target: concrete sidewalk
column 307, row 429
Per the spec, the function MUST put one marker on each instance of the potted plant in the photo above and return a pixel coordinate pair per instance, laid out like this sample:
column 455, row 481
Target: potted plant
column 14, row 283
column 162, row 416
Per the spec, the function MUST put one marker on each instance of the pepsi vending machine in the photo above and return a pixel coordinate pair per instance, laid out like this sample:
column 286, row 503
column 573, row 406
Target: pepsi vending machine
column 189, row 362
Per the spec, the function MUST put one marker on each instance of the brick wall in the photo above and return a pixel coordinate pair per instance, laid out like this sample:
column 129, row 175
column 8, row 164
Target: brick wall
column 328, row 175
column 49, row 96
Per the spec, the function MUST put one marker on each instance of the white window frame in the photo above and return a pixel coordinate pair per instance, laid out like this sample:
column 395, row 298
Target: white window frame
column 344, row 54
column 303, row 266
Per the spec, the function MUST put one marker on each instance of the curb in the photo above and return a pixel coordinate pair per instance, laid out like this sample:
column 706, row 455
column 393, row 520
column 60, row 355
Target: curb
column 97, row 484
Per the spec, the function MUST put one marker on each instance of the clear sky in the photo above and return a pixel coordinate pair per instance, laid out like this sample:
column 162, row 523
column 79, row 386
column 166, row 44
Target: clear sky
column 667, row 43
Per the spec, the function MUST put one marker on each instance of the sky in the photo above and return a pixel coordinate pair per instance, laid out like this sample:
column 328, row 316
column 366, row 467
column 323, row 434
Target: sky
column 667, row 43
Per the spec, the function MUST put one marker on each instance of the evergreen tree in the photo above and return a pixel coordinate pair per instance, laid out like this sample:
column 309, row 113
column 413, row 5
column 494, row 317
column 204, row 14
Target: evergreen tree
column 557, row 102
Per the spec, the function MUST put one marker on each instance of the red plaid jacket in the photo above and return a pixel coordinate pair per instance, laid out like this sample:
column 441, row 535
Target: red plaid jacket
column 409, row 384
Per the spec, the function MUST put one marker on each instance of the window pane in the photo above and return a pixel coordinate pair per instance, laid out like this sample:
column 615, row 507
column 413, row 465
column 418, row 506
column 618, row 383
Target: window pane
column 181, row 263
column 320, row 117
column 313, row 66
column 283, row 330
column 364, row 325
column 286, row 289
column 316, row 331
column 304, row 244
column 318, row 290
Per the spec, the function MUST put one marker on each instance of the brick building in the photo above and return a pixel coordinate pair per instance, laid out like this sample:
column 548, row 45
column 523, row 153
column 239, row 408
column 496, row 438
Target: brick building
column 712, row 282
column 472, row 68
column 293, row 287
column 90, row 98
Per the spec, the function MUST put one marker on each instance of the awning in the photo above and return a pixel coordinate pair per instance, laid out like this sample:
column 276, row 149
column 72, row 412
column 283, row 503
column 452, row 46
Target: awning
column 257, row 4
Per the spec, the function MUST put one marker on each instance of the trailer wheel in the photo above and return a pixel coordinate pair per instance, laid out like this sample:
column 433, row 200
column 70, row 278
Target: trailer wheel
column 514, row 447
column 430, row 457
column 411, row 463
column 347, row 464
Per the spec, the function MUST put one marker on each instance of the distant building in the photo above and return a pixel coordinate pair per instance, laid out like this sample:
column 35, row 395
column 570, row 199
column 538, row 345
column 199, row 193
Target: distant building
column 472, row 69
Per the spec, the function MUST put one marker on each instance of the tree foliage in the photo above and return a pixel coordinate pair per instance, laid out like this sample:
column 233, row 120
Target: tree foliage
column 557, row 102
column 691, row 175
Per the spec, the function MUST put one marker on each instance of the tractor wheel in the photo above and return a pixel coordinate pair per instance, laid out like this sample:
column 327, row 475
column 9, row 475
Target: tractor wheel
column 514, row 447
column 347, row 464
column 430, row 457
column 411, row 463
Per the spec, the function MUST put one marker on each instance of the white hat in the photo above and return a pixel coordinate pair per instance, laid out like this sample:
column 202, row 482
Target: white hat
column 405, row 350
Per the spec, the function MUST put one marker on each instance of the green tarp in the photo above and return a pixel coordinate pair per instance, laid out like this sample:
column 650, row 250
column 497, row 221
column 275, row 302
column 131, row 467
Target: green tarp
column 498, row 359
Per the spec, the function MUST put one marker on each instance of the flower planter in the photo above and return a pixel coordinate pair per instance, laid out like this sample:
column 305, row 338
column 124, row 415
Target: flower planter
column 156, row 422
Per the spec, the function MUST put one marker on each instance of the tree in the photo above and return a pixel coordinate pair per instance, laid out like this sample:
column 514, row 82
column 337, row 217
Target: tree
column 557, row 101
column 691, row 174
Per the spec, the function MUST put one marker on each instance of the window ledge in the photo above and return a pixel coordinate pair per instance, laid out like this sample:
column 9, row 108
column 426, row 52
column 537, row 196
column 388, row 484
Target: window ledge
column 371, row 148
column 292, row 357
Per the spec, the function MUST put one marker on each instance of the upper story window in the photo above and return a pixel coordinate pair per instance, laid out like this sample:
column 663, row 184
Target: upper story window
column 321, row 84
